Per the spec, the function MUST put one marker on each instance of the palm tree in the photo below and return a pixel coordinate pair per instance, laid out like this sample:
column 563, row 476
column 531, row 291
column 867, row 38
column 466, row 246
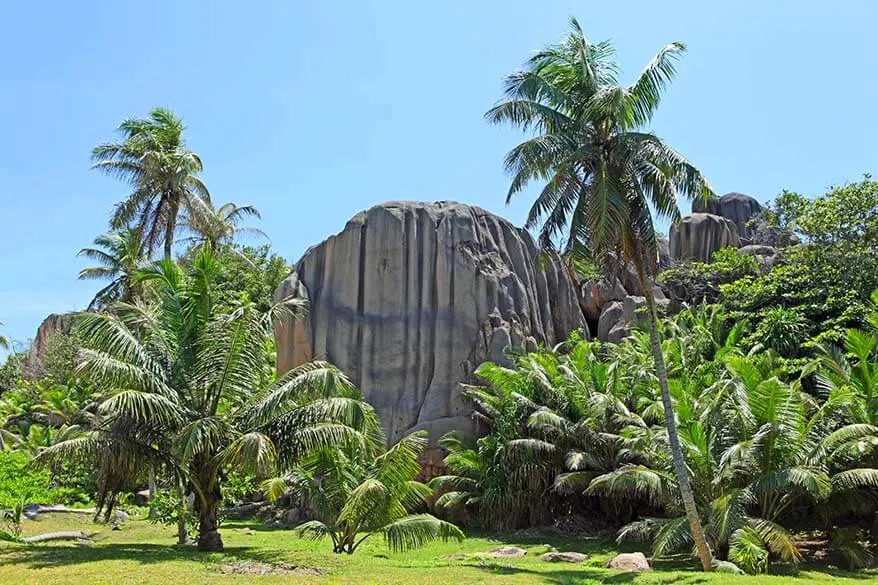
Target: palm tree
column 163, row 174
column 602, row 174
column 181, row 379
column 4, row 343
column 215, row 227
column 119, row 255
column 356, row 497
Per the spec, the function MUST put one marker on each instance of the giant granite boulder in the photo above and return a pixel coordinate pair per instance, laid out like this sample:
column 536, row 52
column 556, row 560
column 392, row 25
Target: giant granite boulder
column 698, row 236
column 737, row 207
column 54, row 324
column 411, row 297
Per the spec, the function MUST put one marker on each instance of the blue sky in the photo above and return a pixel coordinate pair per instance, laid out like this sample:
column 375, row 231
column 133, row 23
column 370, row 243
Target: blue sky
column 314, row 111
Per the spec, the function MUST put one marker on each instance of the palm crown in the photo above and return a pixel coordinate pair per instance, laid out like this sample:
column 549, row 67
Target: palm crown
column 118, row 254
column 600, row 174
column 162, row 172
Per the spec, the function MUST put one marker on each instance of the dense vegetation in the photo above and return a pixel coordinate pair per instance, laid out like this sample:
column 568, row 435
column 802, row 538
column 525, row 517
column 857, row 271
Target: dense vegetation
column 741, row 428
column 579, row 429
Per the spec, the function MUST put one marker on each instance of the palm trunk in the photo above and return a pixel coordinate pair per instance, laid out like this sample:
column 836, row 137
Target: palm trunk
column 182, row 528
column 686, row 494
column 170, row 228
column 153, row 487
column 208, row 522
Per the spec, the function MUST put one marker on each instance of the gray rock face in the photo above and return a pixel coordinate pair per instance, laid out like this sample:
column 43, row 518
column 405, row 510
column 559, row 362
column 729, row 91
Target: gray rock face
column 411, row 297
column 595, row 294
column 737, row 207
column 765, row 255
column 698, row 236
column 610, row 317
column 32, row 368
column 633, row 308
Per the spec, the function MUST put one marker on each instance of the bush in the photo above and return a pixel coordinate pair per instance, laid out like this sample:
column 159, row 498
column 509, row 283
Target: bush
column 21, row 482
column 696, row 282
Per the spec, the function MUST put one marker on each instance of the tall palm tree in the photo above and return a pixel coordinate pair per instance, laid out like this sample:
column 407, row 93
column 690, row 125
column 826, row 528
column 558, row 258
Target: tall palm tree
column 4, row 343
column 119, row 254
column 215, row 227
column 181, row 378
column 601, row 174
column 163, row 174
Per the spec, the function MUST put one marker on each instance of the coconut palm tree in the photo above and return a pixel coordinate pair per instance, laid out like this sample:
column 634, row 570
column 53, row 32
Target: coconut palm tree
column 602, row 174
column 119, row 254
column 181, row 384
column 356, row 495
column 4, row 343
column 215, row 227
column 162, row 171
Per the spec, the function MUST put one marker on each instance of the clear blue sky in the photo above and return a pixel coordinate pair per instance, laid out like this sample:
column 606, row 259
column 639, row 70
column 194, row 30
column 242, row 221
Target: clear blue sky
column 314, row 111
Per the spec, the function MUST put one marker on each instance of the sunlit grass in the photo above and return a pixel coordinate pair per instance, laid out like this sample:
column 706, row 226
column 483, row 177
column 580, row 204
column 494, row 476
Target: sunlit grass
column 145, row 553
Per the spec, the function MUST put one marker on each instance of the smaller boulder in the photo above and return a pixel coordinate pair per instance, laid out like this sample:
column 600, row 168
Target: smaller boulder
column 629, row 562
column 595, row 294
column 765, row 255
column 618, row 333
column 610, row 316
column 564, row 557
column 633, row 309
column 727, row 567
column 758, row 250
column 290, row 517
column 509, row 552
column 142, row 498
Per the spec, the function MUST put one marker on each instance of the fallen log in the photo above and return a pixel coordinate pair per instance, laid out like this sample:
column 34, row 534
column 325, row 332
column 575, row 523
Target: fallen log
column 32, row 511
column 76, row 535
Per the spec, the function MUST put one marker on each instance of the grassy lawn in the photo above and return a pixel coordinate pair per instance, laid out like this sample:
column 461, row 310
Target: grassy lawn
column 144, row 553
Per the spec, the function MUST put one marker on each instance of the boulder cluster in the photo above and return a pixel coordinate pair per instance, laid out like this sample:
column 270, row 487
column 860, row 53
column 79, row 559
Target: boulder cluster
column 734, row 220
column 410, row 298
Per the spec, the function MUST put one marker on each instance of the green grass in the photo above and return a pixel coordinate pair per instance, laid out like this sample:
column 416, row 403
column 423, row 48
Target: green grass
column 144, row 553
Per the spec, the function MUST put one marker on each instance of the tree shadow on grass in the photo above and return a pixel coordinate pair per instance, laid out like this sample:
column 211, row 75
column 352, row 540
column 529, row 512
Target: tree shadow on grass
column 561, row 541
column 47, row 556
column 582, row 575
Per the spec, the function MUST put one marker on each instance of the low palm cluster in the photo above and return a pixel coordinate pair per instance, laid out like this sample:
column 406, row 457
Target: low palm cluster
column 182, row 393
column 357, row 493
column 581, row 428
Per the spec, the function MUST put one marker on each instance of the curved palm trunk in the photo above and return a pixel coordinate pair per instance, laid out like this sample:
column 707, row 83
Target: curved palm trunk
column 686, row 493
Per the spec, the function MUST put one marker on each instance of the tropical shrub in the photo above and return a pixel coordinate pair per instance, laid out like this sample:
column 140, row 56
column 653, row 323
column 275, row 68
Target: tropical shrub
column 580, row 429
column 21, row 482
column 355, row 494
column 698, row 282
column 827, row 279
